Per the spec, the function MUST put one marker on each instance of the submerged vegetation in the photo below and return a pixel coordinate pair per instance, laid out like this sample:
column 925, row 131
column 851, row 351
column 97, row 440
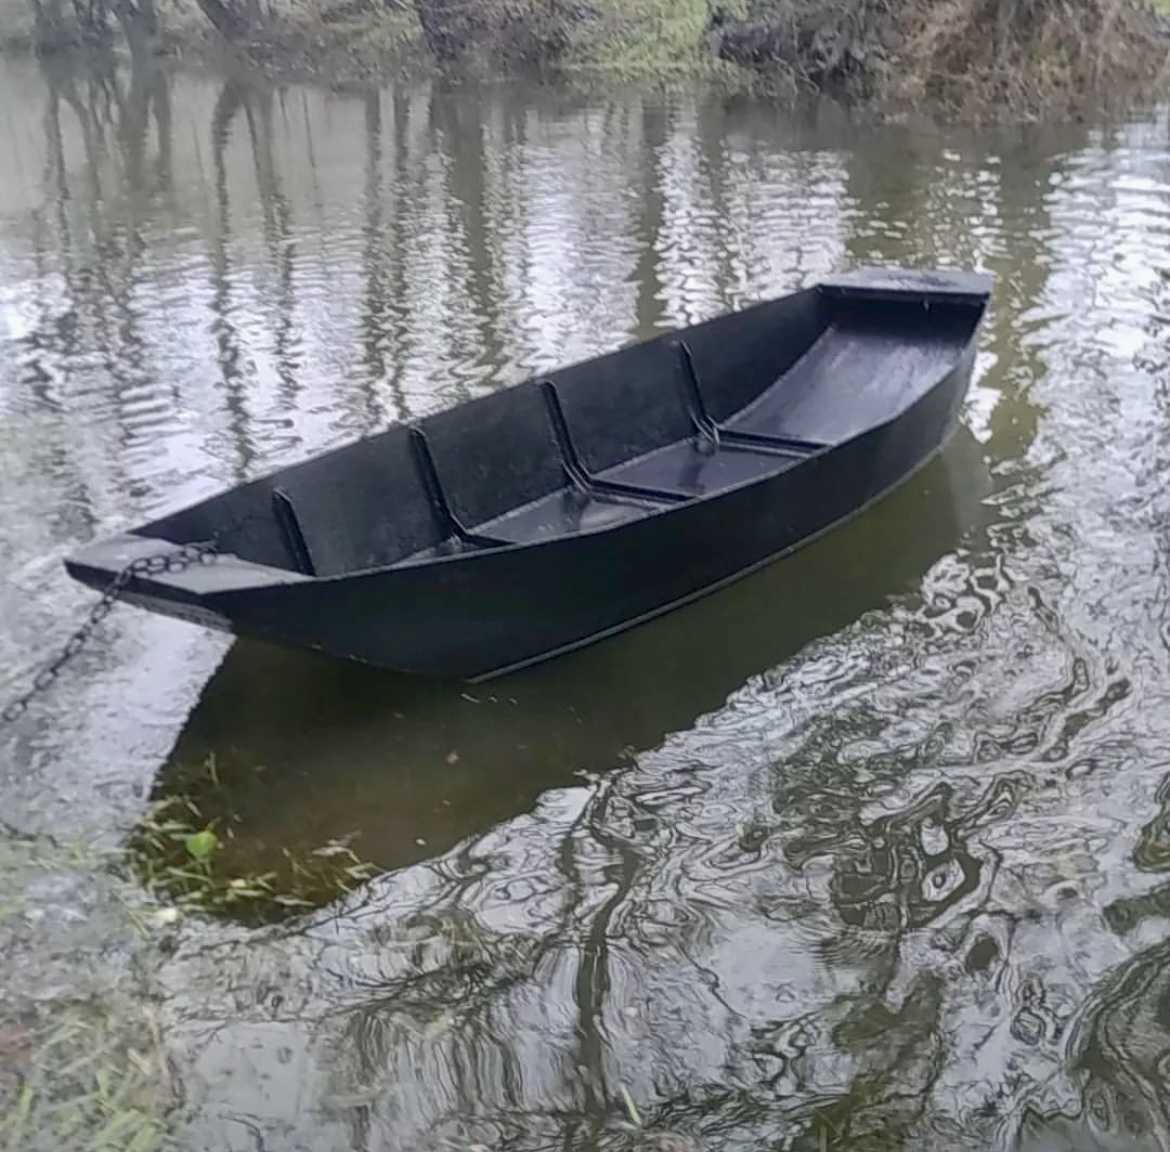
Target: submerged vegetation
column 185, row 853
column 978, row 57
column 187, row 863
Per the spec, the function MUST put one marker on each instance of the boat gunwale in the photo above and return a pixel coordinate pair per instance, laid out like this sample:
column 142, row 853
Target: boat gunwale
column 840, row 288
column 412, row 564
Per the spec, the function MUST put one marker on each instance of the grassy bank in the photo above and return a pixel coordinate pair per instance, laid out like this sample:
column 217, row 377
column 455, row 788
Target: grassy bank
column 1000, row 58
column 641, row 38
column 81, row 1063
column 87, row 929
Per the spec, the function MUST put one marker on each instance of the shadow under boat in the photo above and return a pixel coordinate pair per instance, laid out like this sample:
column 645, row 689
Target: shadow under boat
column 289, row 751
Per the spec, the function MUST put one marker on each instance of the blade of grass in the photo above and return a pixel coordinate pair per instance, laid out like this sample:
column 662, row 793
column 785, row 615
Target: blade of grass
column 20, row 1117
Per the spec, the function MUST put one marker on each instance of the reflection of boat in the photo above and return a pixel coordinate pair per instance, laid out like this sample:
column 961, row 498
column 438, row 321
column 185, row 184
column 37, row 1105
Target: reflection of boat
column 544, row 516
column 307, row 750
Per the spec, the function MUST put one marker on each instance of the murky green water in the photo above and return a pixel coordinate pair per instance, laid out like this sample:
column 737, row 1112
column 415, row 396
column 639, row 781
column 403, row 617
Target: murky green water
column 865, row 852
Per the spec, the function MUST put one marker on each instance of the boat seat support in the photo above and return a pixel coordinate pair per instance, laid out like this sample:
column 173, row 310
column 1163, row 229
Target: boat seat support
column 580, row 476
column 718, row 435
column 294, row 536
column 448, row 523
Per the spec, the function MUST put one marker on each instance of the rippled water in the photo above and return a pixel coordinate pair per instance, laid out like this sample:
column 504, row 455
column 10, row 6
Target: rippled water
column 865, row 852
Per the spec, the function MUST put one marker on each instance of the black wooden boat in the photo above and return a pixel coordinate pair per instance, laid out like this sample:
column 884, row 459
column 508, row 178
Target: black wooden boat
column 329, row 728
column 556, row 512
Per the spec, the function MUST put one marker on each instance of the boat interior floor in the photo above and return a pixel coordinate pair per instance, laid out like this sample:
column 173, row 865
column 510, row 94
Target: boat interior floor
column 672, row 474
column 699, row 467
column 568, row 512
column 853, row 376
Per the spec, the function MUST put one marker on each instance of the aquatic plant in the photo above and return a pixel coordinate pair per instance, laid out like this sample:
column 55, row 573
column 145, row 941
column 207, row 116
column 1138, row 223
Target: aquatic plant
column 183, row 860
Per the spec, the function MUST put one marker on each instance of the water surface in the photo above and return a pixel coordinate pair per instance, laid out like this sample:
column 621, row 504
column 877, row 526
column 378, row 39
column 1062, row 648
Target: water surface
column 865, row 852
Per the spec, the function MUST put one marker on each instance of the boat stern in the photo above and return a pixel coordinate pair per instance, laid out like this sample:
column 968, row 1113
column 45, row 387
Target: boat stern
column 930, row 286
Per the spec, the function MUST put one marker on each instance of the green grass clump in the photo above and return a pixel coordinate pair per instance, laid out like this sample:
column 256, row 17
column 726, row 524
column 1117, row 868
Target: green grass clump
column 87, row 1082
column 185, row 861
column 81, row 1068
column 642, row 38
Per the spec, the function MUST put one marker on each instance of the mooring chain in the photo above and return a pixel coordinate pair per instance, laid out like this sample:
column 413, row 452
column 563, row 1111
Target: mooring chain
column 178, row 558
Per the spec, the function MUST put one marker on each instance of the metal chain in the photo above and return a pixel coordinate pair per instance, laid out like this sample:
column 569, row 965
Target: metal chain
column 176, row 559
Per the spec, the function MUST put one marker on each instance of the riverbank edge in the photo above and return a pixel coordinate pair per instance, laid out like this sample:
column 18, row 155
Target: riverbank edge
column 343, row 46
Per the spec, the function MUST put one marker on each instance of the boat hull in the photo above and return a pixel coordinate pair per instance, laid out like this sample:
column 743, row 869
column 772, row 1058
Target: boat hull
column 474, row 617
column 478, row 614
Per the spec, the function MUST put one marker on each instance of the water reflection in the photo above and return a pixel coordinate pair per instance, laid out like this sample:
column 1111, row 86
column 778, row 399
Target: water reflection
column 1118, row 1049
column 100, row 234
column 1118, row 1057
column 904, row 871
column 227, row 337
column 307, row 751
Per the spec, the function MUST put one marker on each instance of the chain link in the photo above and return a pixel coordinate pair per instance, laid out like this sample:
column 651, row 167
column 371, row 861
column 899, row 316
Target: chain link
column 175, row 559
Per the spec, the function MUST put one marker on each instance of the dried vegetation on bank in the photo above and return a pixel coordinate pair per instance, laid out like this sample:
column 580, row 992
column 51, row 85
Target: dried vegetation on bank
column 973, row 57
column 977, row 57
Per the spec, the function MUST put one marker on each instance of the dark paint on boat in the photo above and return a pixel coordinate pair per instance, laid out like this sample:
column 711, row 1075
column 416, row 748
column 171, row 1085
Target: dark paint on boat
column 546, row 516
column 404, row 768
